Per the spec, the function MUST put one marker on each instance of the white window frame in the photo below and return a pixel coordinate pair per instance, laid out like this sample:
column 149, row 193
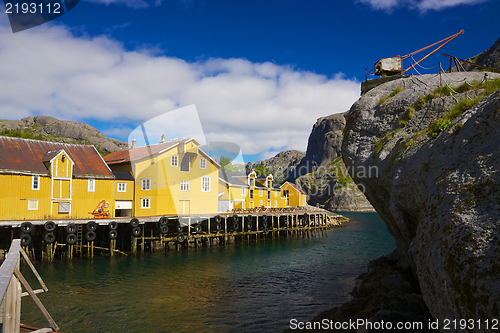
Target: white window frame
column 203, row 163
column 275, row 203
column 174, row 160
column 122, row 187
column 145, row 203
column 35, row 180
column 260, row 193
column 144, row 182
column 251, row 193
column 260, row 203
column 275, row 194
column 91, row 185
column 251, row 182
column 33, row 201
column 242, row 191
column 205, row 183
column 184, row 185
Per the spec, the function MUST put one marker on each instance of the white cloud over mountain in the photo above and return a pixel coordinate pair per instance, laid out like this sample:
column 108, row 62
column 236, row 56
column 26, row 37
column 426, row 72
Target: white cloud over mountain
column 261, row 107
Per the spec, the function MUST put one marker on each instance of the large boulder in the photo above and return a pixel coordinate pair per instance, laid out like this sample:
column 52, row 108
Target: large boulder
column 437, row 187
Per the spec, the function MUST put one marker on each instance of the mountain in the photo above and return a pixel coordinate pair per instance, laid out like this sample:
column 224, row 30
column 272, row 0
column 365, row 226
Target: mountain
column 437, row 185
column 51, row 129
column 320, row 172
column 489, row 58
column 281, row 165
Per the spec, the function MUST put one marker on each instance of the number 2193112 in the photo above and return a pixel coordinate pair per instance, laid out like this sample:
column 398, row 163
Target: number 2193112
column 32, row 8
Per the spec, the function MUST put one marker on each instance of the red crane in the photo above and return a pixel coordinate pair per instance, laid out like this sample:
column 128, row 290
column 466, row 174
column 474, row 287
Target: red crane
column 392, row 66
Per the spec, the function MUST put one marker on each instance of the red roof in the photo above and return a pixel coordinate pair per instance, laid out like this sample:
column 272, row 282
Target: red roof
column 296, row 187
column 126, row 156
column 26, row 155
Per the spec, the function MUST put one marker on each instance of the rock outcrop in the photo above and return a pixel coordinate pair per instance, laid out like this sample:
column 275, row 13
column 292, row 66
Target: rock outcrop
column 49, row 128
column 324, row 145
column 281, row 165
column 437, row 186
column 488, row 58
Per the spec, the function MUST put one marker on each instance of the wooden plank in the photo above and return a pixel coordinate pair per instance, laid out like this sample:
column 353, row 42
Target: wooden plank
column 35, row 298
column 33, row 269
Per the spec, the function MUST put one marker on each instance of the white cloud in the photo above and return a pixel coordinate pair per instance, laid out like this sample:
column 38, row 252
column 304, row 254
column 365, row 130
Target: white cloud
column 421, row 5
column 262, row 107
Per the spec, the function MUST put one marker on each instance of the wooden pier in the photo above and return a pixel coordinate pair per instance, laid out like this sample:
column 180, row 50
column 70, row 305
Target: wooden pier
column 46, row 240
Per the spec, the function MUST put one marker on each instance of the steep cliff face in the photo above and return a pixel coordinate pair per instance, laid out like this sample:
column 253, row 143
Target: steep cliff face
column 323, row 146
column 436, row 154
column 322, row 173
column 489, row 58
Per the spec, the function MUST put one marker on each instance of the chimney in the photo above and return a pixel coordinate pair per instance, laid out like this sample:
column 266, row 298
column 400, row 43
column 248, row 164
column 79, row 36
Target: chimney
column 162, row 138
column 134, row 144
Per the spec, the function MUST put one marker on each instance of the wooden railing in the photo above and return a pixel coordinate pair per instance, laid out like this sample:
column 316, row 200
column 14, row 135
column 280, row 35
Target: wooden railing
column 11, row 280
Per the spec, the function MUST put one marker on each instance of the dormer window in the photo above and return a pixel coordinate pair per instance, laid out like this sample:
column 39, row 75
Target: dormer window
column 252, row 182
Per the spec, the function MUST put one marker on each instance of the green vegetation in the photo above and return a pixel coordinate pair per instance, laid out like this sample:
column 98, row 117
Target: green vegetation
column 438, row 126
column 261, row 170
column 406, row 116
column 23, row 133
column 396, row 91
column 226, row 164
column 382, row 141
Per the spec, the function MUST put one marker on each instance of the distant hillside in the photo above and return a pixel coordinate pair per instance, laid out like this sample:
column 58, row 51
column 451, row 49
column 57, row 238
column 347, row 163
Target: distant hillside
column 281, row 165
column 489, row 58
column 51, row 129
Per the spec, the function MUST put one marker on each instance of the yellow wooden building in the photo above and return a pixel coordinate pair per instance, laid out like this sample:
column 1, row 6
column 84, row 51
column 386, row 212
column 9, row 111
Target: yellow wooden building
column 50, row 180
column 171, row 178
column 295, row 197
column 247, row 191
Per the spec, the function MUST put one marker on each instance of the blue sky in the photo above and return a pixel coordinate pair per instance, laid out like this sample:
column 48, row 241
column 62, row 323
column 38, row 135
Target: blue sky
column 259, row 72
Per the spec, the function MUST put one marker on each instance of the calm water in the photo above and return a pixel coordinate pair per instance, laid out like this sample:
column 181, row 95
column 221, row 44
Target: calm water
column 258, row 286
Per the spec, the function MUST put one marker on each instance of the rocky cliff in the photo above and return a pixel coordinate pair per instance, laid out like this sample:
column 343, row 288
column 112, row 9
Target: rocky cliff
column 49, row 128
column 488, row 58
column 432, row 143
column 281, row 165
column 322, row 173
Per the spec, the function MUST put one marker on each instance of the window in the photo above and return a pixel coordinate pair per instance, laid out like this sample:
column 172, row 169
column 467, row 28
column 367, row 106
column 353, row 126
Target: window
column 260, row 202
column 64, row 207
column 145, row 203
column 268, row 195
column 205, row 184
column 146, row 184
column 275, row 194
column 252, row 182
column 35, row 182
column 251, row 194
column 33, row 204
column 260, row 193
column 174, row 160
column 122, row 187
column 203, row 163
column 275, row 203
column 91, row 185
column 184, row 185
column 242, row 192
column 185, row 163
column 269, row 183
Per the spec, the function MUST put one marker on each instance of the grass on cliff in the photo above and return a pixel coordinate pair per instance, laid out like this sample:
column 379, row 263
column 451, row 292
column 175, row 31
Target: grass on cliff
column 396, row 91
column 23, row 133
column 463, row 105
